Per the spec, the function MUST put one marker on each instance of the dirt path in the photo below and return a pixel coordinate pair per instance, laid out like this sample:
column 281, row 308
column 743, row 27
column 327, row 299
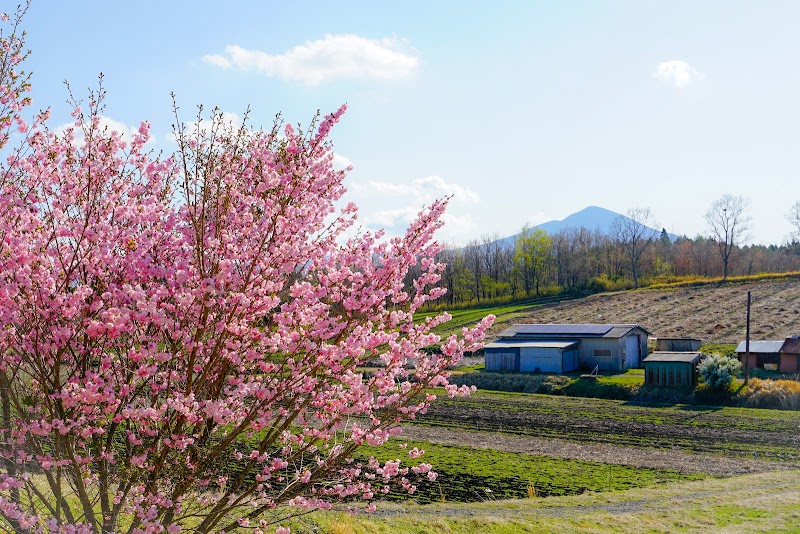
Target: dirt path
column 676, row 459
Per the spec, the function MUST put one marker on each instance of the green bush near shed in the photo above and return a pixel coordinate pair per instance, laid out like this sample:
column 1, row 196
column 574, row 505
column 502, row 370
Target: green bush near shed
column 513, row 382
column 718, row 371
column 620, row 386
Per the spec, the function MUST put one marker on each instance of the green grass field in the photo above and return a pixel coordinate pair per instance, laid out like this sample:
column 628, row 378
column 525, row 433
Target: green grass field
column 469, row 317
column 766, row 502
column 467, row 474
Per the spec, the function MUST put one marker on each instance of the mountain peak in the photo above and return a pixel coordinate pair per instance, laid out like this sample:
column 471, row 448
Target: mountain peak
column 591, row 217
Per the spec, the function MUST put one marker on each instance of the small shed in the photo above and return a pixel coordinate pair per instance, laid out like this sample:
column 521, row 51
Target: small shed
column 532, row 356
column 763, row 354
column 772, row 355
column 790, row 355
column 677, row 369
column 678, row 344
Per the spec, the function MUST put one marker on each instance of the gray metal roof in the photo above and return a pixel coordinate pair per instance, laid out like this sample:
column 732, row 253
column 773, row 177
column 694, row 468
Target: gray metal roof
column 678, row 339
column 663, row 356
column 764, row 347
column 552, row 331
column 559, row 329
column 529, row 343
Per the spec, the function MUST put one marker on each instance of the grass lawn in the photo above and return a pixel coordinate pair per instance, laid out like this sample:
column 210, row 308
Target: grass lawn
column 469, row 317
column 468, row 474
column 766, row 502
column 630, row 377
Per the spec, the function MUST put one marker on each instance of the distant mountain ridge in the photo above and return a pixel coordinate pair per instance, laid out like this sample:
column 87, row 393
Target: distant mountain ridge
column 591, row 218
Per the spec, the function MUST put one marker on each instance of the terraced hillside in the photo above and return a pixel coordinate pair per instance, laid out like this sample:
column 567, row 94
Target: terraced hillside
column 714, row 313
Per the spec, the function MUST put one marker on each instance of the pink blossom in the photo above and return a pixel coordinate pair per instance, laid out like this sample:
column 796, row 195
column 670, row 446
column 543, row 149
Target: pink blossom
column 163, row 315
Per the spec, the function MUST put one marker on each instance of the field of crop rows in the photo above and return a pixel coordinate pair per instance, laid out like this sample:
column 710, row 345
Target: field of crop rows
column 759, row 440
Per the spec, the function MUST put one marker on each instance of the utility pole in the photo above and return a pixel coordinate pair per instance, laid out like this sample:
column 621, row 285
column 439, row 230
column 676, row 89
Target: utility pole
column 747, row 344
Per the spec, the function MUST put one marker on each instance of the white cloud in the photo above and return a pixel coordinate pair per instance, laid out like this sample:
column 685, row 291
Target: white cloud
column 109, row 124
column 335, row 56
column 392, row 218
column 393, row 206
column 423, row 189
column 677, row 73
column 230, row 121
column 340, row 162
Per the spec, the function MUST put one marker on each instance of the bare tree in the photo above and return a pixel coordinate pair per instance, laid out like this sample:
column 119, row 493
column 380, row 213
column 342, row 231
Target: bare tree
column 794, row 218
column 635, row 234
column 729, row 221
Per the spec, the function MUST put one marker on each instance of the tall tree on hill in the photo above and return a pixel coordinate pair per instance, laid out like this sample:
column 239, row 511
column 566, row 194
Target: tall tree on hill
column 794, row 218
column 729, row 220
column 534, row 249
column 635, row 234
column 497, row 265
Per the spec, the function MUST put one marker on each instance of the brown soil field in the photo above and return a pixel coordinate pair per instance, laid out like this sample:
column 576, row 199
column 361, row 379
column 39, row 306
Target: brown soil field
column 715, row 313
column 769, row 435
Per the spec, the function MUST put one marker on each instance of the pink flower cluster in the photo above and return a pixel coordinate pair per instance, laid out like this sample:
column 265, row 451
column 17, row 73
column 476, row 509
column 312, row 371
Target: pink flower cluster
column 161, row 318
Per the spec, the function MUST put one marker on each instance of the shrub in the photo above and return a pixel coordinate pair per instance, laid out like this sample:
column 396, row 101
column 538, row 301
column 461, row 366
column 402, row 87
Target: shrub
column 651, row 394
column 777, row 394
column 604, row 284
column 724, row 349
column 513, row 382
column 718, row 371
column 598, row 389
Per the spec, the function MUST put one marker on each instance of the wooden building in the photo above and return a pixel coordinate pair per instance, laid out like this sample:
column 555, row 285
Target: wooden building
column 772, row 355
column 675, row 369
column 562, row 348
column 678, row 344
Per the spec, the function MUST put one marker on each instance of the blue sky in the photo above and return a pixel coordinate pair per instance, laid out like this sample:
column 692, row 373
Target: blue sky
column 524, row 111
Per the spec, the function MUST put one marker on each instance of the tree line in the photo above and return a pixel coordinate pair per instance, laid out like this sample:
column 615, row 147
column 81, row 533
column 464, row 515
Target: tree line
column 630, row 254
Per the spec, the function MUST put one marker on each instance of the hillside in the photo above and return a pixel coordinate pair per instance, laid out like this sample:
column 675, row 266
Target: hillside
column 714, row 313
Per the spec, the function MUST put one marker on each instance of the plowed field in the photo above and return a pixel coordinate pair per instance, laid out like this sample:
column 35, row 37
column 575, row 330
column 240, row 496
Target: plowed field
column 715, row 313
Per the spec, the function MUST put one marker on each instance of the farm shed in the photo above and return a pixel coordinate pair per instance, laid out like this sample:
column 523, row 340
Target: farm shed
column 671, row 368
column 532, row 356
column 790, row 355
column 678, row 344
column 610, row 347
column 772, row 355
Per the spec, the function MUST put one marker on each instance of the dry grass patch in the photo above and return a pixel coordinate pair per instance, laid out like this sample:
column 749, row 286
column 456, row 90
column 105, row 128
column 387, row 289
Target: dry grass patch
column 779, row 394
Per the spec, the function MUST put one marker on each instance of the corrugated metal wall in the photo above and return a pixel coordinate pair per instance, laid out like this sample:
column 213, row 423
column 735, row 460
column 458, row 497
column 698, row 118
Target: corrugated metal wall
column 502, row 360
column 540, row 360
column 677, row 374
column 570, row 359
column 605, row 363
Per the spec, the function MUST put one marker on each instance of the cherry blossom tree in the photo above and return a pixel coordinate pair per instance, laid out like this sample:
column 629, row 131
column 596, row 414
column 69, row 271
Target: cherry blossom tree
column 182, row 339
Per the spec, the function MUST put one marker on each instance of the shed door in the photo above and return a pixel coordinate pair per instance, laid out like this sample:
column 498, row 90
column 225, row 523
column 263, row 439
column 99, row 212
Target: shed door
column 503, row 361
column 631, row 351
